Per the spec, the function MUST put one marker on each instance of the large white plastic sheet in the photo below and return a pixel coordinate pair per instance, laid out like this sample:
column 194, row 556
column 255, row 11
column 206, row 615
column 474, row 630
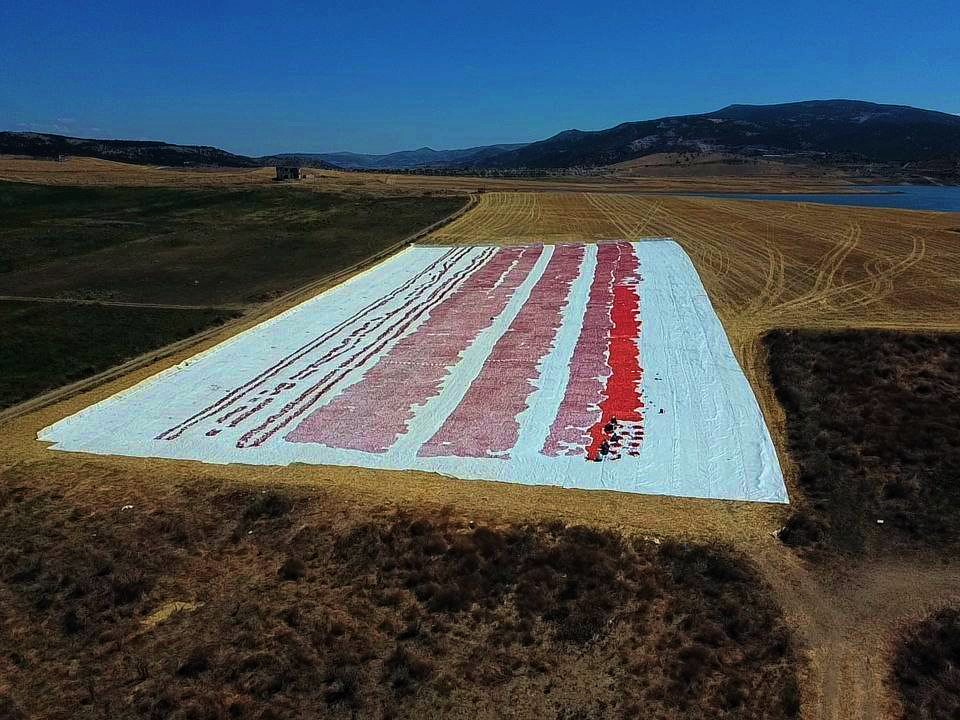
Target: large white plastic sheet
column 494, row 363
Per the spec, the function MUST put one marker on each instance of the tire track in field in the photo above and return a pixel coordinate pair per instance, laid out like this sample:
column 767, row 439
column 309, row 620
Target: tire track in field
column 774, row 284
column 511, row 209
column 746, row 260
column 826, row 272
column 611, row 217
column 878, row 282
column 474, row 225
column 493, row 206
column 753, row 212
column 883, row 281
column 633, row 208
column 882, row 272
column 832, row 263
column 710, row 247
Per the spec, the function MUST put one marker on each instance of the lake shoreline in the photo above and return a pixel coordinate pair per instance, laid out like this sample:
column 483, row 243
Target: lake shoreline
column 928, row 198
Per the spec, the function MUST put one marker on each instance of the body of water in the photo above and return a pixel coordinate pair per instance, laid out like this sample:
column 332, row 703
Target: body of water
column 901, row 197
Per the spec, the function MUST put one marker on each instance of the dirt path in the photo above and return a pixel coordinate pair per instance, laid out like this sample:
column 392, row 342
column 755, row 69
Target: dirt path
column 847, row 619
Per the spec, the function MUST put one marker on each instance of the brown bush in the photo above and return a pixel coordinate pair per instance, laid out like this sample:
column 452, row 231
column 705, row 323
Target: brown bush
column 399, row 615
column 871, row 423
column 292, row 569
column 926, row 667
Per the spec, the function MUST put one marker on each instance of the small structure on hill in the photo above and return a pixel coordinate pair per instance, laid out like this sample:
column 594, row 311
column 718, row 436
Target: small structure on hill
column 289, row 172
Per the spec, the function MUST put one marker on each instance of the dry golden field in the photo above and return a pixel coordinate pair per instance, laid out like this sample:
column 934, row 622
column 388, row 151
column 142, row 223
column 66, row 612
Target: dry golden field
column 765, row 265
column 91, row 171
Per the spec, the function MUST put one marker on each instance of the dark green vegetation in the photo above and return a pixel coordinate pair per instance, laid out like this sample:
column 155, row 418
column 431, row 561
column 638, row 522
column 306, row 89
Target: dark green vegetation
column 301, row 606
column 43, row 346
column 926, row 668
column 193, row 246
column 872, row 424
column 174, row 246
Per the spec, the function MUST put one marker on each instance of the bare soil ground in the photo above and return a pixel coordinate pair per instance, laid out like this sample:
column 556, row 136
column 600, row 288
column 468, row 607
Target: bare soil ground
column 765, row 266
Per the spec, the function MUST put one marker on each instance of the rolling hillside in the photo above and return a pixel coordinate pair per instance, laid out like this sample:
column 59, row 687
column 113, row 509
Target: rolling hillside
column 835, row 130
column 138, row 152
column 143, row 152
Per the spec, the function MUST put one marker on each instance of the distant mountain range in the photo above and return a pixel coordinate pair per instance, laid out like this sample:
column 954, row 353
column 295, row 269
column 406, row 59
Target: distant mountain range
column 826, row 130
column 404, row 160
column 151, row 152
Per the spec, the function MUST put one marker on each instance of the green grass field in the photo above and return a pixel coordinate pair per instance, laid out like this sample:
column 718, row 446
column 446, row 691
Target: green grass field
column 192, row 246
column 44, row 346
column 199, row 247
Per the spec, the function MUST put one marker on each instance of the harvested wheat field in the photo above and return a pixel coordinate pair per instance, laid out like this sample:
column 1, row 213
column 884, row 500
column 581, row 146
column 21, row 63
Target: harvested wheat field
column 765, row 266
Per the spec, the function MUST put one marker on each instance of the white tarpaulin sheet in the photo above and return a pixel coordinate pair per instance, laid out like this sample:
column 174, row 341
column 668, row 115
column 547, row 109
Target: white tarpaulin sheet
column 596, row 366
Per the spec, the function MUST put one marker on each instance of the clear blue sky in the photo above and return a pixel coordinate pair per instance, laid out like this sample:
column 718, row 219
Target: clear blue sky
column 262, row 77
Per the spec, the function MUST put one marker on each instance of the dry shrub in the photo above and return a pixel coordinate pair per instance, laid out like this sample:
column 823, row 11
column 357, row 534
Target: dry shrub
column 926, row 667
column 9, row 709
column 393, row 615
column 872, row 424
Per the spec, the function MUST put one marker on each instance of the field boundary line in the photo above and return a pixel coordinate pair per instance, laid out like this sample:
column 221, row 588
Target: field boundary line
column 259, row 314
